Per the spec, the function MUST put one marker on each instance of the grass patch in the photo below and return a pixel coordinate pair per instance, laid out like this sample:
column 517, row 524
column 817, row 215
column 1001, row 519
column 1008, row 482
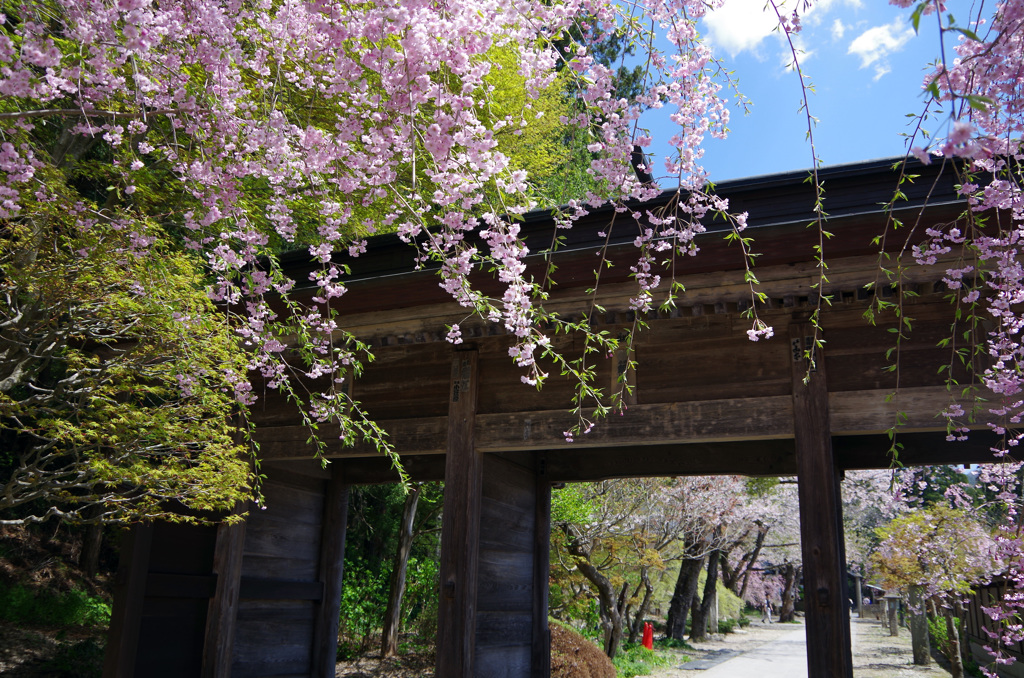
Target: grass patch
column 636, row 660
column 27, row 606
column 671, row 644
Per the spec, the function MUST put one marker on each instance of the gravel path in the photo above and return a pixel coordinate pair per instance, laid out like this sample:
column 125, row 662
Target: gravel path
column 876, row 654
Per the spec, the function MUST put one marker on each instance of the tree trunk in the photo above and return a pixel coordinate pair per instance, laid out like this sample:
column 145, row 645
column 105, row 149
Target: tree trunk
column 92, row 543
column 637, row 625
column 699, row 623
column 393, row 614
column 758, row 544
column 789, row 576
column 682, row 597
column 919, row 626
column 608, row 603
column 956, row 664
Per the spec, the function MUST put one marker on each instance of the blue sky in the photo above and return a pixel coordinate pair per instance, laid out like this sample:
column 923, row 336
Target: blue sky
column 867, row 66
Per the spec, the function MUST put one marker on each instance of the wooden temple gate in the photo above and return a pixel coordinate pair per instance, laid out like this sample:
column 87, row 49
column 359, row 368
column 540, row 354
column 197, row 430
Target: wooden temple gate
column 261, row 598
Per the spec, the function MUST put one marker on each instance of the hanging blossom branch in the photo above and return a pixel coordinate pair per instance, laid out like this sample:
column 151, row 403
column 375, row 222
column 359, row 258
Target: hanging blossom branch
column 789, row 24
column 980, row 95
column 313, row 125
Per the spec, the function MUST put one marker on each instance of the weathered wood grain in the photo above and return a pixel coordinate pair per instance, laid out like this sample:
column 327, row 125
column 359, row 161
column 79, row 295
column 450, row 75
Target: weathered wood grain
column 824, row 567
column 460, row 540
column 223, row 606
column 331, row 569
column 540, row 655
column 505, row 581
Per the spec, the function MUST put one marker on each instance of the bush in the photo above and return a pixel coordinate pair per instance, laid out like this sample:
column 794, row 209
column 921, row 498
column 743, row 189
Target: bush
column 419, row 605
column 636, row 660
column 364, row 598
column 31, row 607
column 573, row 656
column 940, row 642
column 727, row 625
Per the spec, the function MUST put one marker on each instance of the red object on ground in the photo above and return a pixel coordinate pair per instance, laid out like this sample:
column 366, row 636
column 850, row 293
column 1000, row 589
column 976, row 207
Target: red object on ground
column 648, row 640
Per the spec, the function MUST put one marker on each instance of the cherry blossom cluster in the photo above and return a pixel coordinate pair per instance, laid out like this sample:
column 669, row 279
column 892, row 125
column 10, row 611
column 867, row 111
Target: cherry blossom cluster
column 981, row 93
column 312, row 124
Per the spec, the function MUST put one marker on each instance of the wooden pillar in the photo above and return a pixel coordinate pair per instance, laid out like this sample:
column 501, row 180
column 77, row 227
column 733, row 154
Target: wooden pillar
column 129, row 597
column 223, row 609
column 860, row 597
column 460, row 527
column 825, row 599
column 331, row 569
column 541, row 661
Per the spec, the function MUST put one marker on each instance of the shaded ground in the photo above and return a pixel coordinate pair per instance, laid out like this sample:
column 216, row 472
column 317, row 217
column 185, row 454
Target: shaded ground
column 50, row 653
column 43, row 561
column 371, row 666
column 876, row 654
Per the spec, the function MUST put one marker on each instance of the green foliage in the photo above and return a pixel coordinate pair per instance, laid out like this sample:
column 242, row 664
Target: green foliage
column 571, row 504
column 371, row 541
column 553, row 154
column 941, row 547
column 419, row 606
column 759, row 487
column 30, row 607
column 730, row 606
column 125, row 404
column 636, row 660
column 940, row 634
column 940, row 641
column 727, row 625
column 363, row 601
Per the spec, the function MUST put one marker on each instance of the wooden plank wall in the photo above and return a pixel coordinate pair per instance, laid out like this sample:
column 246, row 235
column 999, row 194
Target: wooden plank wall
column 162, row 594
column 280, row 588
column 505, row 593
column 978, row 622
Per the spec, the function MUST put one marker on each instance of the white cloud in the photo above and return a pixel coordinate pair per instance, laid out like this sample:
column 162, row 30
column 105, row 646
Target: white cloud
column 838, row 30
column 786, row 55
column 740, row 25
column 815, row 15
column 874, row 45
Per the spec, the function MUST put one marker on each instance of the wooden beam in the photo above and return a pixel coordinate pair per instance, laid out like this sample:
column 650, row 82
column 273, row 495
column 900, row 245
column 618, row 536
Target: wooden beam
column 570, row 463
column 853, row 413
column 917, row 449
column 747, row 457
column 821, row 537
column 460, row 535
column 129, row 597
column 331, row 569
